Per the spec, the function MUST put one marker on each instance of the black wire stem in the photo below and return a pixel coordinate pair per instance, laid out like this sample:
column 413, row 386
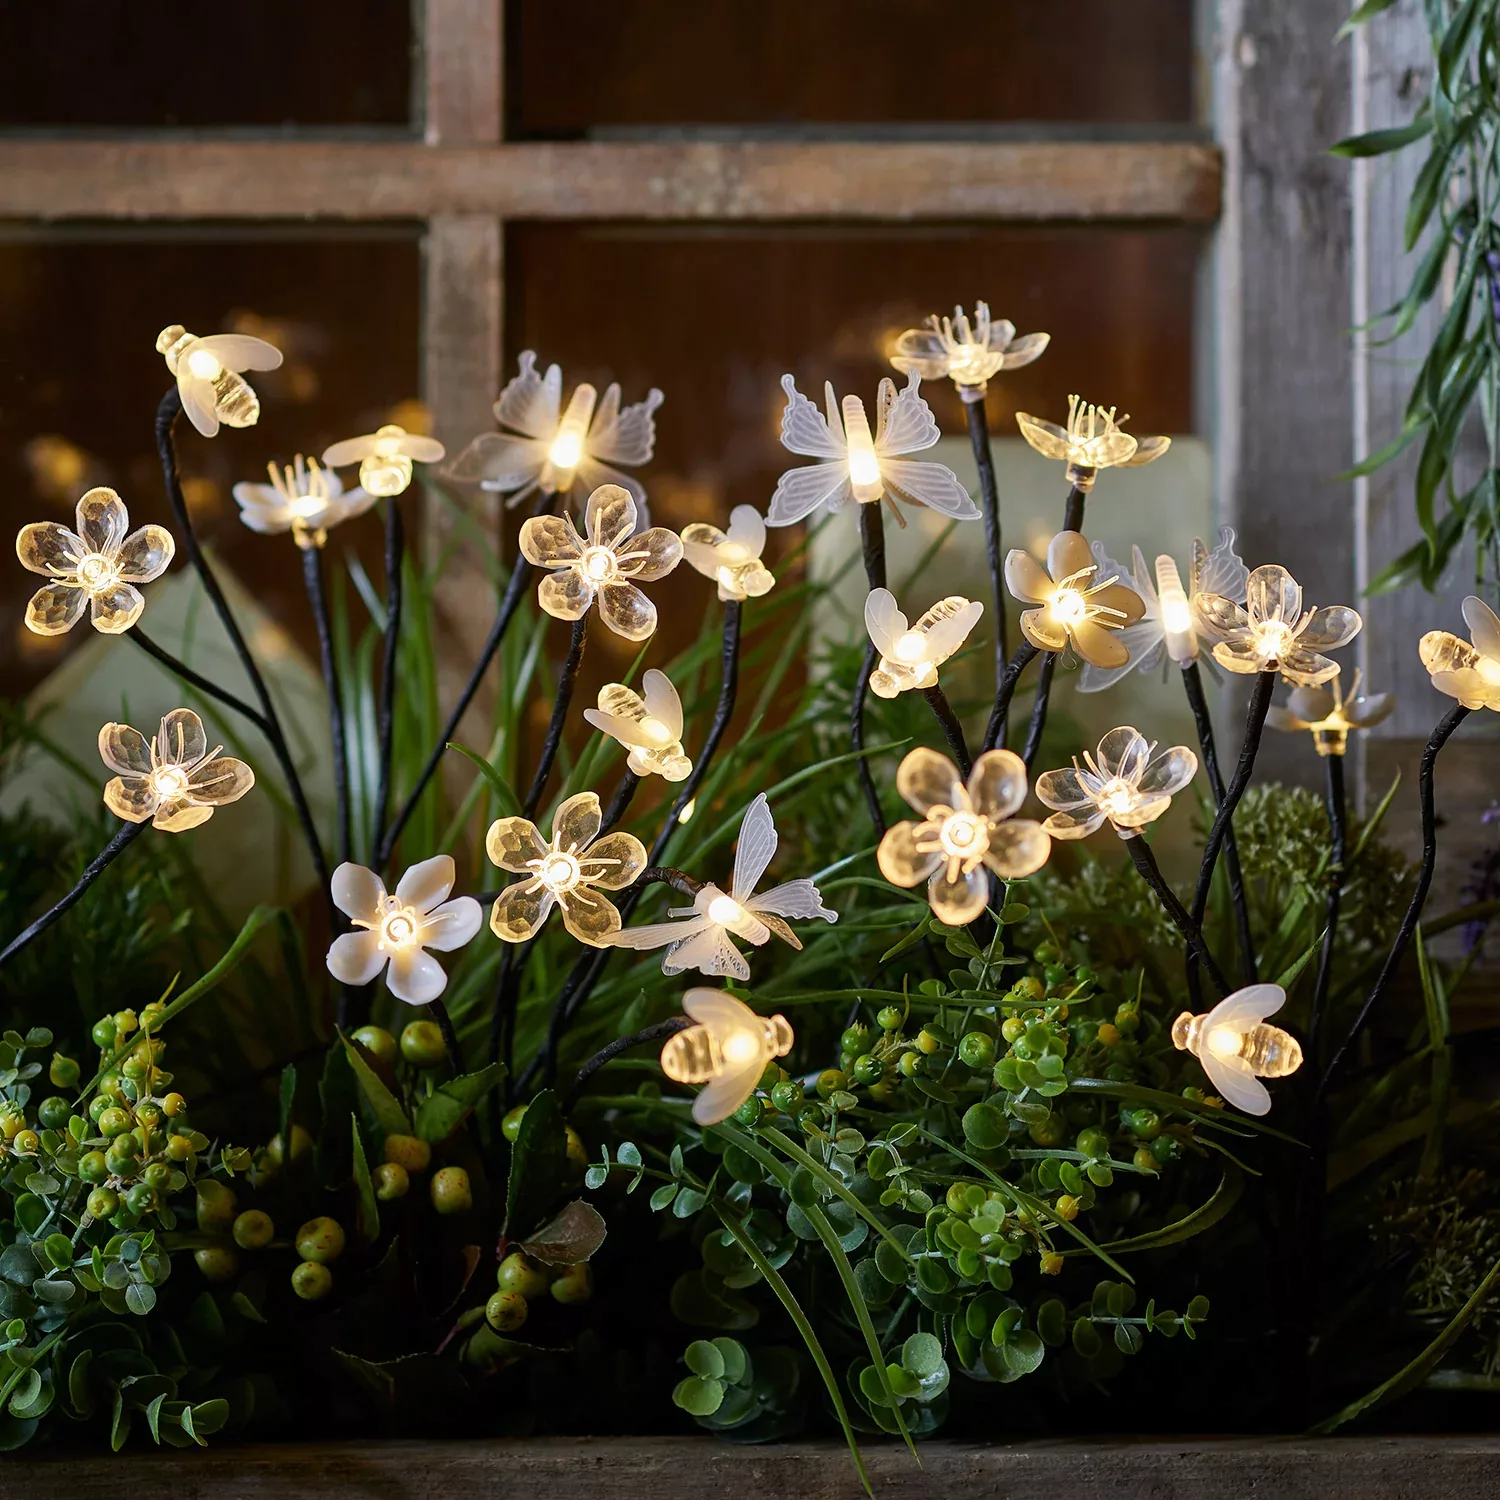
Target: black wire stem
column 658, row 1033
column 953, row 731
column 872, row 544
column 126, row 832
column 989, row 495
column 1446, row 725
column 1039, row 708
column 1145, row 862
column 1337, row 841
column 1073, row 507
column 317, row 597
column 1004, row 691
column 196, row 680
column 395, row 548
column 439, row 1013
column 566, row 682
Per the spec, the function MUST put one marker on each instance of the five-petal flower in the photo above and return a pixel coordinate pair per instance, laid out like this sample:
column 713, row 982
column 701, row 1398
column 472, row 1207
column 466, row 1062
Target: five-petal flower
column 1124, row 781
column 396, row 930
column 208, row 380
column 606, row 563
column 860, row 467
column 731, row 558
column 301, row 498
column 1092, row 440
column 384, row 457
column 175, row 780
column 98, row 566
column 1329, row 715
column 1469, row 673
column 1076, row 606
column 1271, row 633
column 967, row 354
column 569, row 872
column 649, row 727
column 963, row 830
column 911, row 655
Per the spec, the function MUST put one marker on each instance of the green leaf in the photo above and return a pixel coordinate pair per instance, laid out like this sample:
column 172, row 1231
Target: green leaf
column 698, row 1396
column 366, row 1207
column 704, row 1358
column 1378, row 142
column 922, row 1354
column 1224, row 1197
column 388, row 1112
column 538, row 1164
column 985, row 1127
column 510, row 804
column 736, row 1361
column 573, row 1236
column 443, row 1111
column 1362, row 13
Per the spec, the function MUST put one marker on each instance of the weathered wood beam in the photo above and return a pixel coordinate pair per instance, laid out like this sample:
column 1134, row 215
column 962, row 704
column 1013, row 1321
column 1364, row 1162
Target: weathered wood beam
column 689, row 180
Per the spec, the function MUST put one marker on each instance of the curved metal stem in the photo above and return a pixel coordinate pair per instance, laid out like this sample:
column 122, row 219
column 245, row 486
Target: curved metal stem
column 989, row 495
column 566, row 682
column 1039, row 709
column 620, row 802
column 658, row 1033
column 1337, row 839
column 1145, row 862
column 317, row 597
column 204, row 685
column 395, row 548
column 953, row 731
column 872, row 544
column 1005, row 690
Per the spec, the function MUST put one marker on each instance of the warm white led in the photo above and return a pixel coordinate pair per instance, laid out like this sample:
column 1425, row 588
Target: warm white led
column 303, row 498
column 1470, row 673
column 208, row 378
column 1093, row 439
column 647, row 724
column 384, row 457
column 727, row 1049
column 910, row 657
column 1077, row 602
column 732, row 558
column 173, row 779
column 1272, row 632
column 1236, row 1047
column 1124, row 782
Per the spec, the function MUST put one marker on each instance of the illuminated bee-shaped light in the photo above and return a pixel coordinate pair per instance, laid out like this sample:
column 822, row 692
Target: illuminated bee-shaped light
column 384, row 458
column 1236, row 1047
column 208, row 379
column 727, row 1049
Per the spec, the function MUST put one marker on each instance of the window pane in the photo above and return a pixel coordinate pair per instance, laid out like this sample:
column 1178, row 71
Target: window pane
column 597, row 64
column 101, row 64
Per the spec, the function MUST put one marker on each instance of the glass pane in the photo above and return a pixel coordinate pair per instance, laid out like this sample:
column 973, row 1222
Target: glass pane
column 596, row 64
column 102, row 64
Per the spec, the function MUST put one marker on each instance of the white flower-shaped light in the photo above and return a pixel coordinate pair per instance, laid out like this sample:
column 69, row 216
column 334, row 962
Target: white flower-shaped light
column 396, row 930
column 1270, row 631
column 301, row 498
column 1469, row 673
column 175, row 780
column 1236, row 1047
column 858, row 466
column 208, row 378
column 911, row 654
column 1091, row 441
column 98, row 566
column 702, row 939
column 1080, row 605
column 1124, row 781
column 727, row 1049
column 649, row 727
column 963, row 830
column 966, row 354
column 384, row 457
column 731, row 558
column 1329, row 715
column 1169, row 629
column 569, row 871
column 547, row 448
column 605, row 564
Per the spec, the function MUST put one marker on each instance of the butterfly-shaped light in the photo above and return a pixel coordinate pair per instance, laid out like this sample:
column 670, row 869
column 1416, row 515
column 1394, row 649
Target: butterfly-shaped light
column 208, row 375
column 1270, row 631
column 1079, row 603
column 727, row 1049
column 967, row 354
column 731, row 558
column 1330, row 716
column 649, row 726
column 546, row 447
column 1469, row 673
column 174, row 779
column 700, row 937
column 384, row 457
column 858, row 465
column 1092, row 440
column 1236, row 1047
column 911, row 654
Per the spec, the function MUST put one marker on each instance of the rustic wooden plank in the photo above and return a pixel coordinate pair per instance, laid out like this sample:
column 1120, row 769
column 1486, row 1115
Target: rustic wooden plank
column 679, row 180
column 461, row 72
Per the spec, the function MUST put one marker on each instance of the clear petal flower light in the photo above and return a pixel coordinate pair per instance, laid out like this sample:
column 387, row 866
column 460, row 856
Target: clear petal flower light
column 967, row 354
column 911, row 654
column 649, row 726
column 859, row 466
column 1169, row 629
column 568, row 871
column 700, row 938
column 1092, row 440
column 731, row 558
column 1330, row 716
column 384, row 457
column 1123, row 781
column 1469, row 673
column 1272, row 632
column 96, row 566
column 545, row 447
column 301, row 498
column 1078, row 607
column 727, row 1049
column 1236, row 1047
column 208, row 375
column 175, row 779
column 606, row 563
column 963, row 831
column 393, row 932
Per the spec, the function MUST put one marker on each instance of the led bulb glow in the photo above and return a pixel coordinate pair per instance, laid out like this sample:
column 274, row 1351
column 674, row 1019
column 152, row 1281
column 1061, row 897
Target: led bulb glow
column 565, row 451
column 911, row 646
column 203, row 365
column 864, row 466
column 559, row 872
column 726, row 1049
column 656, row 731
column 726, row 911
column 175, row 779
column 1489, row 669
column 207, row 380
column 399, row 930
column 739, row 1047
column 168, row 782
column 598, row 563
column 1125, row 781
column 1069, row 606
column 1176, row 613
column 1238, row 1048
column 688, row 809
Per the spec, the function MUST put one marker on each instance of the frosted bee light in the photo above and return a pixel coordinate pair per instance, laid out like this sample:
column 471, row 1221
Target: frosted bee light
column 649, row 726
column 731, row 558
column 1236, row 1047
column 208, row 375
column 727, row 1049
column 385, row 458
column 1470, row 673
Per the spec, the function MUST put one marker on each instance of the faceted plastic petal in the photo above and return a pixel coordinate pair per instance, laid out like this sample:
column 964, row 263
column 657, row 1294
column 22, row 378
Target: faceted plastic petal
column 219, row 781
column 1050, row 440
column 1062, row 790
column 1364, row 712
column 520, row 910
column 614, row 861
column 50, row 549
column 1038, row 626
column 590, row 917
column 145, row 554
column 565, row 595
column 997, row 784
column 1123, row 752
column 415, row 976
column 1098, row 646
column 1219, row 617
column 1073, row 825
column 55, row 609
column 1311, row 704
column 1147, row 450
column 452, row 924
column 498, row 461
column 102, row 521
column 900, row 860
column 179, row 815
column 1020, row 847
column 958, row 901
column 1026, row 578
column 627, row 611
column 651, row 555
column 181, row 740
column 576, row 825
column 1169, row 772
column 700, row 547
column 356, row 957
column 1237, row 656
column 1307, row 668
column 1023, row 350
column 512, row 841
column 1468, row 687
column 1273, row 594
column 1069, row 555
column 357, row 892
column 1142, row 811
column 1332, row 626
column 926, row 779
column 130, row 797
column 125, row 750
column 547, row 540
column 115, row 610
column 1128, row 607
column 427, row 884
column 610, row 516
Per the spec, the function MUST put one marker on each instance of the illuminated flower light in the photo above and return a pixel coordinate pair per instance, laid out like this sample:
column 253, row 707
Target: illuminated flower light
column 861, row 467
column 569, row 872
column 1169, row 630
column 301, row 498
column 911, row 655
column 1078, row 607
column 964, row 830
column 208, row 378
column 649, row 727
column 731, row 558
column 98, row 566
column 552, row 449
column 1270, row 631
column 700, row 939
column 1331, row 716
column 967, row 354
column 394, row 931
column 384, row 458
column 175, row 780
column 1123, row 781
column 606, row 563
column 1236, row 1047
column 727, row 1049
column 1469, row 673
column 1091, row 441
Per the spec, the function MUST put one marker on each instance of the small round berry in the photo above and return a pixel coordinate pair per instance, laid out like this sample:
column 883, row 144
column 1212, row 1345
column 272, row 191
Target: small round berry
column 1092, row 1141
column 855, row 1039
column 378, row 1042
column 27, row 1142
column 217, row 1262
column 1049, row 1132
column 135, row 1067
column 750, row 1112
column 97, row 1105
column 520, row 1274
column 409, row 1152
column 180, row 1148
column 54, row 1113
column 450, row 1191
column 63, row 1072
column 890, row 1018
column 422, row 1044
column 1052, row 1263
column 787, row 1095
column 955, row 1198
column 321, row 1240
column 1013, row 1028
column 125, row 1022
column 1028, row 990
column 868, row 1068
column 216, row 1205
column 1145, row 1158
column 976, row 1049
column 576, row 1284
column 909, row 1064
column 104, row 1034
column 301, row 1145
column 928, row 1042
column 1166, row 1149
column 174, row 1104
column 103, row 1202
column 92, row 1167
column 157, row 1177
column 1108, row 1034
column 311, row 1280
column 510, row 1126
column 114, row 1121
column 505, row 1311
column 392, row 1180
column 140, row 1199
column 254, row 1230
column 830, row 1082
column 1067, row 1207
